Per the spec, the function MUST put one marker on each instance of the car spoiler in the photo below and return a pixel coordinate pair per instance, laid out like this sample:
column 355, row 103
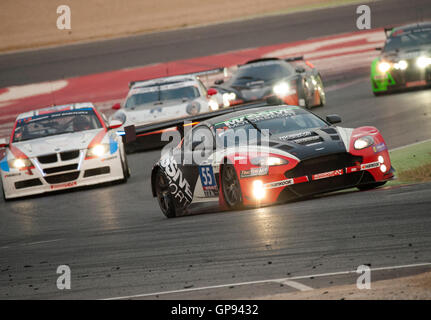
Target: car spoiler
column 133, row 132
column 197, row 74
column 388, row 31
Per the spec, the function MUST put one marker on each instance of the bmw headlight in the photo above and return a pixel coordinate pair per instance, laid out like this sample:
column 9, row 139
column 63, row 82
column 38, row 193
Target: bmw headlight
column 97, row 150
column 423, row 62
column 401, row 65
column 20, row 163
column 383, row 67
column 363, row 142
column 268, row 161
column 281, row 89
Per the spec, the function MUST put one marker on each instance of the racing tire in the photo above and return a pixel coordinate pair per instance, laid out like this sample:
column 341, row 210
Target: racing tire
column 164, row 196
column 125, row 168
column 321, row 96
column 231, row 187
column 371, row 186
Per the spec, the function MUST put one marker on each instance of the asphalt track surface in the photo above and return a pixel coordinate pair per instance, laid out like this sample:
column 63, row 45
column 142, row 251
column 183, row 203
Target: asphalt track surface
column 117, row 243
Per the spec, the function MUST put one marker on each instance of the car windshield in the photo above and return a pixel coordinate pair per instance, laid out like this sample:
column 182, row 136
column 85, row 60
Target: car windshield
column 152, row 95
column 408, row 39
column 265, row 71
column 276, row 121
column 55, row 123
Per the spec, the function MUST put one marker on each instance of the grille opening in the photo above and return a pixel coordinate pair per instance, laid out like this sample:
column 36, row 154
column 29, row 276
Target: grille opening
column 96, row 171
column 50, row 158
column 69, row 155
column 64, row 177
column 27, row 183
column 323, row 164
column 61, row 169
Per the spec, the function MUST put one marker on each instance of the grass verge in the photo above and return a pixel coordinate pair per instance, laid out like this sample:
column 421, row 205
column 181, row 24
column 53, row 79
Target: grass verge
column 412, row 163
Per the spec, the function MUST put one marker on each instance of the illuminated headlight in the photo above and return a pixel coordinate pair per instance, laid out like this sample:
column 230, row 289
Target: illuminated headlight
column 227, row 98
column 19, row 163
column 423, row 62
column 384, row 67
column 401, row 65
column 383, row 168
column 258, row 190
column 97, row 150
column 213, row 105
column 268, row 161
column 381, row 159
column 363, row 142
column 281, row 89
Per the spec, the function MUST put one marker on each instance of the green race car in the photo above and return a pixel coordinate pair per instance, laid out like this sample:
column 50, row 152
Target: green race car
column 405, row 59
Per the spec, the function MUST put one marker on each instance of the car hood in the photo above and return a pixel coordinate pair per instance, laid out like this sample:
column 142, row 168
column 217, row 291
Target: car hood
column 408, row 53
column 312, row 143
column 59, row 143
column 161, row 111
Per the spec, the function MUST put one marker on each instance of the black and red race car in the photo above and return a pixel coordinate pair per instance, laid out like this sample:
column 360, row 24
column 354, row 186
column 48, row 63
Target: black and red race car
column 292, row 81
column 265, row 155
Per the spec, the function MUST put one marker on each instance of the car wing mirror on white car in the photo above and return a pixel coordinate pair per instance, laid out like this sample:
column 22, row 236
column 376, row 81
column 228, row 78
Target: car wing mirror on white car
column 115, row 124
column 4, row 143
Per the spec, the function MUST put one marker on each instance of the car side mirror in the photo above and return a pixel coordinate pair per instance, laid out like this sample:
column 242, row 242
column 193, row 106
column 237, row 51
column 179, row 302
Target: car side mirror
column 115, row 124
column 211, row 92
column 219, row 81
column 300, row 69
column 116, row 106
column 333, row 118
column 4, row 143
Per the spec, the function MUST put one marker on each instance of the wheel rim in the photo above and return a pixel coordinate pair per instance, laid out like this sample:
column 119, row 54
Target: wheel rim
column 162, row 192
column 231, row 188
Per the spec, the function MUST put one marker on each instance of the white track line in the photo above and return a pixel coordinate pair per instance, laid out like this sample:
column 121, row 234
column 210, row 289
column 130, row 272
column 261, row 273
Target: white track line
column 296, row 285
column 267, row 281
column 409, row 145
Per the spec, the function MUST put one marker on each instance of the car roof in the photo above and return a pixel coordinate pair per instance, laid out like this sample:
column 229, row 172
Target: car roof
column 235, row 114
column 164, row 80
column 53, row 109
column 412, row 26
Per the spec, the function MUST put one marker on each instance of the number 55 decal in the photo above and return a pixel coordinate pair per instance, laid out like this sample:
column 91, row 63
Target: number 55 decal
column 207, row 176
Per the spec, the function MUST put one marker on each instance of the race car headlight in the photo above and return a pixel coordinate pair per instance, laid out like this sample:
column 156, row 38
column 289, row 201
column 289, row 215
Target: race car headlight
column 281, row 89
column 384, row 67
column 423, row 62
column 213, row 105
column 401, row 65
column 98, row 150
column 19, row 163
column 258, row 190
column 268, row 161
column 228, row 97
column 363, row 142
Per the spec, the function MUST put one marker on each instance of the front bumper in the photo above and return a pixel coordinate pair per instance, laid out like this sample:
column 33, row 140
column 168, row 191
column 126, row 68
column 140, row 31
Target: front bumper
column 394, row 80
column 348, row 171
column 79, row 172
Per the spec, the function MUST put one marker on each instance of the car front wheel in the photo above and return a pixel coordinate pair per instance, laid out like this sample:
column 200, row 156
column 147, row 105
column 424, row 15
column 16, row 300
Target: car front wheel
column 231, row 187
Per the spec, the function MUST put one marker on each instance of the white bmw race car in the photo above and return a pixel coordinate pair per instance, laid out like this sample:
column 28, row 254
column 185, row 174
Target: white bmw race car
column 165, row 98
column 61, row 147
